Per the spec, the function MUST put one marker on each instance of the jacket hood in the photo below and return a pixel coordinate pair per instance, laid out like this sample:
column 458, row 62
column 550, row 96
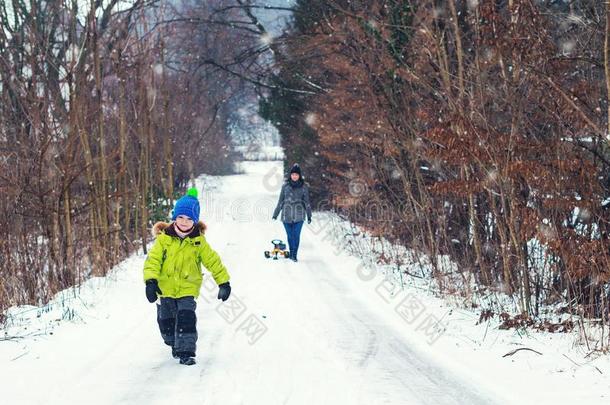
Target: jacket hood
column 162, row 226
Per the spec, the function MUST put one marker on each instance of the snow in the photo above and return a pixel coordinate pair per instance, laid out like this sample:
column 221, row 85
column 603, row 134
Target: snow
column 258, row 152
column 266, row 39
column 327, row 329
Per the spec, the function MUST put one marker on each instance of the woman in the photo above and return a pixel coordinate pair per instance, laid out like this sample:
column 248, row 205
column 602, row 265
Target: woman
column 294, row 204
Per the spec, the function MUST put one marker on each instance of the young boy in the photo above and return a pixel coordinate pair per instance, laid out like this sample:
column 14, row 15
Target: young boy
column 172, row 271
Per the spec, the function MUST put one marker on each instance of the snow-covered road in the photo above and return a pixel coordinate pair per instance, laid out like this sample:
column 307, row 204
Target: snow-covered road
column 292, row 333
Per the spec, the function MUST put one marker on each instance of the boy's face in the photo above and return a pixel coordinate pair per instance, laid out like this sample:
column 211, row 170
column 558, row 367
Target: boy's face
column 295, row 176
column 184, row 222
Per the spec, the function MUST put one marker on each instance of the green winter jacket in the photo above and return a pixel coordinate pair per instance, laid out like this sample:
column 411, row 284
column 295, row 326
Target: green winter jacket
column 176, row 263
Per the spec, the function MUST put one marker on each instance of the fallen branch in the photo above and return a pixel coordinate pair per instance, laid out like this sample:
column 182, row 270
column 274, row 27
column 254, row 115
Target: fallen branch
column 580, row 365
column 20, row 356
column 521, row 348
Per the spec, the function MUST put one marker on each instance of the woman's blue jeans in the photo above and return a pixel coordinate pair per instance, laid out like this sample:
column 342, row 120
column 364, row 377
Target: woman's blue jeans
column 293, row 232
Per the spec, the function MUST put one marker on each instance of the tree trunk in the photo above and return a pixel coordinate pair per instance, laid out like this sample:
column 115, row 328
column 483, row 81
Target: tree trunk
column 607, row 67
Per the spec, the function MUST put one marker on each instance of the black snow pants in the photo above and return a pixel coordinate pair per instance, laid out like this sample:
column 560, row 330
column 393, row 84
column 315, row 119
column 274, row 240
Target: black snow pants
column 178, row 324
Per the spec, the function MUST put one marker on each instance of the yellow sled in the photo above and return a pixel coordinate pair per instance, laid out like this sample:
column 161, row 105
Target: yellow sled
column 278, row 250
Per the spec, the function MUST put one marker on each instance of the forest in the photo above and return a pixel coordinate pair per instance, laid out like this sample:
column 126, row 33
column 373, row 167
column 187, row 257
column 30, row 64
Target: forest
column 107, row 110
column 476, row 130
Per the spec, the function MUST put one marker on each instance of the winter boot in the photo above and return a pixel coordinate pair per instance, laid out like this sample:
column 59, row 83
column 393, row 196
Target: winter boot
column 187, row 361
column 175, row 354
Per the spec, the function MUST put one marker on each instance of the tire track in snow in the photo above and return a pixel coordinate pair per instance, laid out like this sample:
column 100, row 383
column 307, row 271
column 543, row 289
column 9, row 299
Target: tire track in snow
column 389, row 357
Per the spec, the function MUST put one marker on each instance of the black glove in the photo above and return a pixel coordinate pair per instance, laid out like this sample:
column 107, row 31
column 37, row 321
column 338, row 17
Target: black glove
column 274, row 218
column 309, row 220
column 224, row 291
column 152, row 289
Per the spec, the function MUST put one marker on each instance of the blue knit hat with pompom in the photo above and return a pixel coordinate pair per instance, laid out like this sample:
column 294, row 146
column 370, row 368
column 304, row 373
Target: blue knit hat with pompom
column 187, row 205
